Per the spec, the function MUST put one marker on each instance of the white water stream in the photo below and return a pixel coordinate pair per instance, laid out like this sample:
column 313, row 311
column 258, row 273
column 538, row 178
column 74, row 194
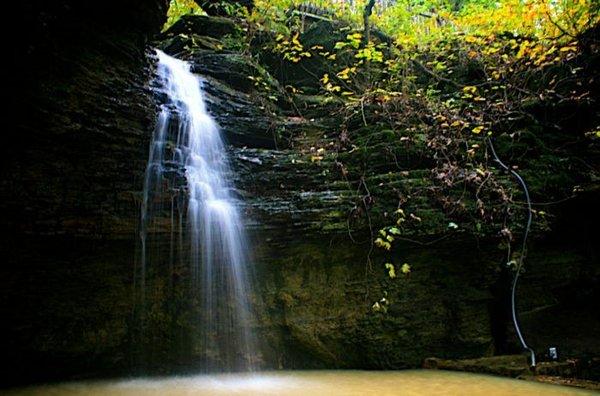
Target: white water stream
column 187, row 146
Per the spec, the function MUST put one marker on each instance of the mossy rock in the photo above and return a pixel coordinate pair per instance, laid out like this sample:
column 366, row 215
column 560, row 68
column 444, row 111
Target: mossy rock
column 237, row 70
column 202, row 25
column 177, row 44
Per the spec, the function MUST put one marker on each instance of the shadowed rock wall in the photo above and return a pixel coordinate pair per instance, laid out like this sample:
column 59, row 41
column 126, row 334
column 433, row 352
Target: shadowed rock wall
column 72, row 172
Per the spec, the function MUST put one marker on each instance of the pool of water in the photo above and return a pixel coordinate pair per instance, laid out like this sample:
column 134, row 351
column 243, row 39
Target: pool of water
column 310, row 383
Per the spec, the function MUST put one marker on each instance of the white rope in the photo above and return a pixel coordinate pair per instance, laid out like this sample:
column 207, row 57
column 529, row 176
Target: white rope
column 523, row 250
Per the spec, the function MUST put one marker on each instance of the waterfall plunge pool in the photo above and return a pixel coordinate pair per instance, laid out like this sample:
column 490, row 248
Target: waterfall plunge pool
column 313, row 383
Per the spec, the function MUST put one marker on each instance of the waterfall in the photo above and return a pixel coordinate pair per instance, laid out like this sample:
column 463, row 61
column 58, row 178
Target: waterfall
column 188, row 171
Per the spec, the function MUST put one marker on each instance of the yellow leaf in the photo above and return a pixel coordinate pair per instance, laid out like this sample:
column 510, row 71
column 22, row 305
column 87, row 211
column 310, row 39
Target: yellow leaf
column 391, row 270
column 383, row 244
column 568, row 48
column 405, row 269
column 469, row 89
column 295, row 39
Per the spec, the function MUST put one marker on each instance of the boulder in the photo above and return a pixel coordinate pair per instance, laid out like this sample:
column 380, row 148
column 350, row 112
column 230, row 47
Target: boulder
column 210, row 26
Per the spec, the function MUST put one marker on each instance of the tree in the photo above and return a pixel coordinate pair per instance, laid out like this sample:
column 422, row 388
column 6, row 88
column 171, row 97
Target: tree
column 366, row 15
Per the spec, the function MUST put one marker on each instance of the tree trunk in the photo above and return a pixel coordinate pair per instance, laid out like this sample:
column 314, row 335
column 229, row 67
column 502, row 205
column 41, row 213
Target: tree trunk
column 367, row 13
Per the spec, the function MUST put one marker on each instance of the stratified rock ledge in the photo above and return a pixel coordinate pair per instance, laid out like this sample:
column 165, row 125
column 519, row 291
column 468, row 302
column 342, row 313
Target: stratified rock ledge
column 566, row 373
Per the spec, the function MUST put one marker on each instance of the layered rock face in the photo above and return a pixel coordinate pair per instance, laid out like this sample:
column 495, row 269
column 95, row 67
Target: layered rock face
column 315, row 279
column 71, row 199
column 72, row 174
column 81, row 117
column 317, row 275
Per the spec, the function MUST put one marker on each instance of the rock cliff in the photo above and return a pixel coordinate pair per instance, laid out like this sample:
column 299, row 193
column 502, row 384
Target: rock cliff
column 73, row 181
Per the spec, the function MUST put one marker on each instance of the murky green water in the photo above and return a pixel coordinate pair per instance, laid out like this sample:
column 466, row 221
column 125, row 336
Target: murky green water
column 311, row 383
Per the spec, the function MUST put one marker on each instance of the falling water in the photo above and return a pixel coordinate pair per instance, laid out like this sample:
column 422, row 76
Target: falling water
column 188, row 162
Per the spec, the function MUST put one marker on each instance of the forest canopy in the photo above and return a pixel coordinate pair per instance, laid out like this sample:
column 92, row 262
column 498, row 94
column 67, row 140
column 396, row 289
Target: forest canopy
column 419, row 22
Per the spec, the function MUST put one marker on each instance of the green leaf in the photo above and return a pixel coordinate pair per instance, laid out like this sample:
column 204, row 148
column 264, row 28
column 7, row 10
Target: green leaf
column 394, row 231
